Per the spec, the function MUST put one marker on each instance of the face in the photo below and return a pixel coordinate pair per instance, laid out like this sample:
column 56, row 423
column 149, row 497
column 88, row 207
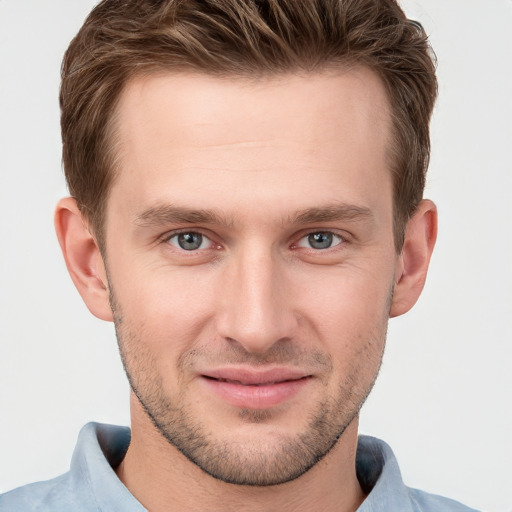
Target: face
column 250, row 259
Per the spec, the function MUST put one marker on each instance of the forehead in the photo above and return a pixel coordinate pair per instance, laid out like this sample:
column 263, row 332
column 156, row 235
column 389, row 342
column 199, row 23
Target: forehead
column 218, row 141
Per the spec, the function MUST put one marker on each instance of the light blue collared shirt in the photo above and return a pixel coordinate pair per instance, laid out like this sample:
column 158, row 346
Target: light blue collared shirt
column 91, row 484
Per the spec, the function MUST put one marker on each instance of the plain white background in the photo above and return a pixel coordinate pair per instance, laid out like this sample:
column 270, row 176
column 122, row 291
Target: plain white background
column 443, row 397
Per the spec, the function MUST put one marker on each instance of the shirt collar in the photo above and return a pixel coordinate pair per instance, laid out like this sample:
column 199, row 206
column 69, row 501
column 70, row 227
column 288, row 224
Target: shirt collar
column 380, row 477
column 101, row 448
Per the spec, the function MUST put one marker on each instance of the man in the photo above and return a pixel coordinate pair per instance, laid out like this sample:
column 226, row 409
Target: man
column 247, row 184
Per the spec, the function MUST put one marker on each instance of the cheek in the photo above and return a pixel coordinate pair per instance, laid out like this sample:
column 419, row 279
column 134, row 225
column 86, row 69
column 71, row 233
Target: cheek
column 346, row 299
column 169, row 309
column 348, row 312
column 166, row 309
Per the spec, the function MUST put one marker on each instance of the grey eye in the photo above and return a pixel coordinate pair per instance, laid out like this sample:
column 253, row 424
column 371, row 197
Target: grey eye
column 189, row 241
column 320, row 240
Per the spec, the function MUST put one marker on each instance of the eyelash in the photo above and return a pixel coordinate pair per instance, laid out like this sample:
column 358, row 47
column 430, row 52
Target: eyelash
column 175, row 234
column 342, row 240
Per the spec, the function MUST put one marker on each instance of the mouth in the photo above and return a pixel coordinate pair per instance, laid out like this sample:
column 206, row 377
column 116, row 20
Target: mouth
column 250, row 389
column 269, row 383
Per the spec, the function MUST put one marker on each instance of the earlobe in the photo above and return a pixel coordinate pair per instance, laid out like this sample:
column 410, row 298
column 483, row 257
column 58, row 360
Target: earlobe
column 83, row 258
column 413, row 262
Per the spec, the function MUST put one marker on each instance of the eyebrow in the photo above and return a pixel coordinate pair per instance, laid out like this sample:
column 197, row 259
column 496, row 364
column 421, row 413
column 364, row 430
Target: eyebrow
column 170, row 214
column 333, row 212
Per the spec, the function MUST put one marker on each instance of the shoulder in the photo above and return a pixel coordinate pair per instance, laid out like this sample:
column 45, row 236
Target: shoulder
column 53, row 495
column 380, row 478
column 426, row 502
column 91, row 483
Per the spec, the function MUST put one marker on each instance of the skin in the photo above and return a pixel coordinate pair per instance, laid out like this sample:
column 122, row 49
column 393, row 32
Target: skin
column 255, row 168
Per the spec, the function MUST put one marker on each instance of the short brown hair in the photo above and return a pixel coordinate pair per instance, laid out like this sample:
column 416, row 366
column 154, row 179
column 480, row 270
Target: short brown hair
column 121, row 39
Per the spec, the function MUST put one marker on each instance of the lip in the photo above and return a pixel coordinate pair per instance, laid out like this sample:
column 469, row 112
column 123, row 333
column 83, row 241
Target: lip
column 255, row 388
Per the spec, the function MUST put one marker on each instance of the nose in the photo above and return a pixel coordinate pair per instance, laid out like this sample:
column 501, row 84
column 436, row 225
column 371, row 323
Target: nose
column 256, row 301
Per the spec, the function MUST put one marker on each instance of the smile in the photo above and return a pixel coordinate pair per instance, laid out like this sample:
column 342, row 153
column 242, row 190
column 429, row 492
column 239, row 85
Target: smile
column 254, row 384
column 255, row 390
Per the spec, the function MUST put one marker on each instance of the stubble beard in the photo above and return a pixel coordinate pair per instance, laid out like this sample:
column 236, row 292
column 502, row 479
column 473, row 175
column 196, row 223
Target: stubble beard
column 286, row 458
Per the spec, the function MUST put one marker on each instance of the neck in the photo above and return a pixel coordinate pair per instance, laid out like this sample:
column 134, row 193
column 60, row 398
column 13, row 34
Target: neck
column 163, row 479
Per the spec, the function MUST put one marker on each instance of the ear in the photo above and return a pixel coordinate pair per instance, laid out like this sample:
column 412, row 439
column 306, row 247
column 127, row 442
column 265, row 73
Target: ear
column 412, row 264
column 83, row 258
